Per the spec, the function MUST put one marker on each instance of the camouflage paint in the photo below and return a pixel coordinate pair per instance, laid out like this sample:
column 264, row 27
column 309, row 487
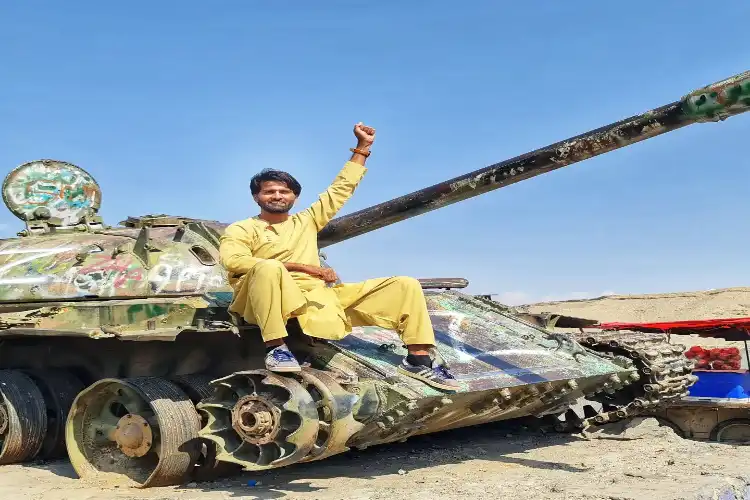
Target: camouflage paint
column 155, row 318
column 507, row 368
column 719, row 100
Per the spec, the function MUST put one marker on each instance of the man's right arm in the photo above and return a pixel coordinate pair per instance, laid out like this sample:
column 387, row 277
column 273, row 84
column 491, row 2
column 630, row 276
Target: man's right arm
column 235, row 252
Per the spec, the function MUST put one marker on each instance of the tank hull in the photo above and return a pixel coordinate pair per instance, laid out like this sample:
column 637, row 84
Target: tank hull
column 508, row 368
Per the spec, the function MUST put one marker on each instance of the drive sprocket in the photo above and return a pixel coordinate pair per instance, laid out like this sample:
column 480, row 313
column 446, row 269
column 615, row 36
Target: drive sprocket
column 260, row 420
column 334, row 404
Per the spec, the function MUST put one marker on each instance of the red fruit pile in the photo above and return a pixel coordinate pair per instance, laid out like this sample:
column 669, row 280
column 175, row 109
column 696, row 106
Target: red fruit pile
column 727, row 358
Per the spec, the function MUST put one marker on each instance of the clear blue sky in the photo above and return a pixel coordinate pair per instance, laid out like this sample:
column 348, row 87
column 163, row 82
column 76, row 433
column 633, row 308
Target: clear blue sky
column 173, row 106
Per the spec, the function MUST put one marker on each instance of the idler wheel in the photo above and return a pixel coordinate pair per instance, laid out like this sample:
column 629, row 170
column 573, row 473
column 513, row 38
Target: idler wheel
column 137, row 431
column 260, row 420
column 23, row 417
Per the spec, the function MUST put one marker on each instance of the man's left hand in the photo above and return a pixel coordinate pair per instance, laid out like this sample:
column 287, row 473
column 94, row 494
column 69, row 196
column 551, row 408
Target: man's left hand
column 328, row 275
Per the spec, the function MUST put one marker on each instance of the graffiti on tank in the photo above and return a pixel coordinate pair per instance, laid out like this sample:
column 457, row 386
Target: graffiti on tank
column 66, row 192
column 112, row 277
column 55, row 272
column 106, row 277
column 169, row 278
column 26, row 266
column 172, row 275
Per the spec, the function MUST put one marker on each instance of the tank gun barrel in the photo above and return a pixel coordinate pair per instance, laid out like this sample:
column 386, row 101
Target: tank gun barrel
column 714, row 102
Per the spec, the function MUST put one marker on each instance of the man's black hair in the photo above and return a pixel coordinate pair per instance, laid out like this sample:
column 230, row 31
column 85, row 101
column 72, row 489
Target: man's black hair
column 268, row 174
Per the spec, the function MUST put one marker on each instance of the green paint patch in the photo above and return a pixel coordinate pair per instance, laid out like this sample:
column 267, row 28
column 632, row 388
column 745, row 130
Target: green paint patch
column 722, row 99
column 140, row 311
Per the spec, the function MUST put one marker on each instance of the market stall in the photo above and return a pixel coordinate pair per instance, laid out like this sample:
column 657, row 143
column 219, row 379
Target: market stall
column 719, row 369
column 718, row 404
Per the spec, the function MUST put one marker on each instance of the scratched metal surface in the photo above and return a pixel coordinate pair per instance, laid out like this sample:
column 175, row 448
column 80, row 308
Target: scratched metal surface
column 48, row 267
column 484, row 348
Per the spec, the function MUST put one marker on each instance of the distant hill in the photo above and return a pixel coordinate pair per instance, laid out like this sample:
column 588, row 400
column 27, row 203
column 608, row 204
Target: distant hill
column 708, row 304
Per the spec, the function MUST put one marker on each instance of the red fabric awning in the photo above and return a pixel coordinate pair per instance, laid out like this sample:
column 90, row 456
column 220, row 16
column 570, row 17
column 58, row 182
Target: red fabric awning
column 737, row 328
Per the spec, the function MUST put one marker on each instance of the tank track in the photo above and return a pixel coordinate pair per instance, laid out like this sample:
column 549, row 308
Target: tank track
column 664, row 373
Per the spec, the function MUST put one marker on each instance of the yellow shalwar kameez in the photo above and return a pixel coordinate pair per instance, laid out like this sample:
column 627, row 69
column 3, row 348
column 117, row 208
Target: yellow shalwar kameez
column 266, row 294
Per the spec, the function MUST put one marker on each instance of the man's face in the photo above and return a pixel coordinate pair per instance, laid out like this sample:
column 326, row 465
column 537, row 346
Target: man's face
column 275, row 197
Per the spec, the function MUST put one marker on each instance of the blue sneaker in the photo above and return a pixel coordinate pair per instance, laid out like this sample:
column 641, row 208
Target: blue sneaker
column 281, row 360
column 436, row 376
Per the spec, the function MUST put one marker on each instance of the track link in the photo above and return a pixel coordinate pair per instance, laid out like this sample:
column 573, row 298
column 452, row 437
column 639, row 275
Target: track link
column 664, row 372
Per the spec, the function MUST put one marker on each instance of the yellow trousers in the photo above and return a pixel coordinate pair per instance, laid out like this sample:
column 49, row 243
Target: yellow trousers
column 268, row 296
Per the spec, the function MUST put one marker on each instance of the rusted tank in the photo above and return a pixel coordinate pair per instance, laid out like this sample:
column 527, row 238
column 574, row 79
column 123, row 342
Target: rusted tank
column 117, row 347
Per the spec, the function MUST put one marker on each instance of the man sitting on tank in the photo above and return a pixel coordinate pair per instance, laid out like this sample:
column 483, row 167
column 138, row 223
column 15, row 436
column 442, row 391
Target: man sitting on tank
column 274, row 268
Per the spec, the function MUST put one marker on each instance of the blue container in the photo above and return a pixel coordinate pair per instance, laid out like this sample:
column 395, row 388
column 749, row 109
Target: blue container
column 717, row 384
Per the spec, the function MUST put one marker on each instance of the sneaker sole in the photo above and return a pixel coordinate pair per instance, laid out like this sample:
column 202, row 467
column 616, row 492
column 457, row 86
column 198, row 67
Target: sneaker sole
column 432, row 383
column 290, row 369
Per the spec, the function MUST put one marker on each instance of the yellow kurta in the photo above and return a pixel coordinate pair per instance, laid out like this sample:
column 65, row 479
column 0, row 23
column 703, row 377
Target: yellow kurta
column 266, row 294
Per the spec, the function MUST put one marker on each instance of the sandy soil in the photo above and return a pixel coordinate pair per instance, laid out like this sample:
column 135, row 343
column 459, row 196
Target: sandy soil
column 487, row 462
column 708, row 304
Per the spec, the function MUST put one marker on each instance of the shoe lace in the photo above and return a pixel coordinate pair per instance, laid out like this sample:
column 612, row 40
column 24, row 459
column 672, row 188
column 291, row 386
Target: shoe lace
column 443, row 372
column 282, row 355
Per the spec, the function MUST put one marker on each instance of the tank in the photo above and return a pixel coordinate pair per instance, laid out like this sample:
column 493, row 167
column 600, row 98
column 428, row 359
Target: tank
column 118, row 350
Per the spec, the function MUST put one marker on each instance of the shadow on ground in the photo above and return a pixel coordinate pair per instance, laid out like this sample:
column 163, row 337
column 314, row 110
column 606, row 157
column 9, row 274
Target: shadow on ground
column 61, row 468
column 486, row 442
column 490, row 442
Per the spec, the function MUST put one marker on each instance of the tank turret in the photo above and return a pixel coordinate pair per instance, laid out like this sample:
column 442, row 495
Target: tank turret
column 714, row 102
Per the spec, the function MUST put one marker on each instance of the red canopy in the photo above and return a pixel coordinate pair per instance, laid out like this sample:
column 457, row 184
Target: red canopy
column 729, row 328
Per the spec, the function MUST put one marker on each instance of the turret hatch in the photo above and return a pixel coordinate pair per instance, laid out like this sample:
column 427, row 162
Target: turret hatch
column 52, row 195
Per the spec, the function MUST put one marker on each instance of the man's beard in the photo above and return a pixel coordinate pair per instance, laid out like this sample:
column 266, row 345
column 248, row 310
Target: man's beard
column 280, row 208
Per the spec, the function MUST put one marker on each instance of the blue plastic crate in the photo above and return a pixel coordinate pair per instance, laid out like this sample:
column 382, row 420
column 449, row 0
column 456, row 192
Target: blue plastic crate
column 721, row 384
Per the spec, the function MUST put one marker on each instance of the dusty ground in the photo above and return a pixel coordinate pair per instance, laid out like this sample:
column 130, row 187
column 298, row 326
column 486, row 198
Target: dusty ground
column 487, row 462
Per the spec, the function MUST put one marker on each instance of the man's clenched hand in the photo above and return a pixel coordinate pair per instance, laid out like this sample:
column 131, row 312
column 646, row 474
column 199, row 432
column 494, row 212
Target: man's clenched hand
column 365, row 135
